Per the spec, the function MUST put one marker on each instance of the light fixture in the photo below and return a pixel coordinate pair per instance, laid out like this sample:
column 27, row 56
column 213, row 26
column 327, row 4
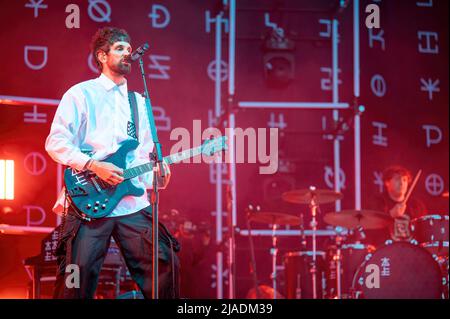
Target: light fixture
column 6, row 179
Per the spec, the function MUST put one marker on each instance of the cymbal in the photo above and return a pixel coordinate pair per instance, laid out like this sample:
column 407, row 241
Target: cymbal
column 304, row 196
column 275, row 218
column 367, row 219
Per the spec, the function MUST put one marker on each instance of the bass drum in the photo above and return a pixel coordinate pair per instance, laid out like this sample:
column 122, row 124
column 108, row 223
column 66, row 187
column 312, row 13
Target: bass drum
column 399, row 270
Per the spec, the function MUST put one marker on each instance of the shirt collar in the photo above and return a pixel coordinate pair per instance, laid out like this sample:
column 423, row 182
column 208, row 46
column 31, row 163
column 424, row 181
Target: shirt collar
column 109, row 84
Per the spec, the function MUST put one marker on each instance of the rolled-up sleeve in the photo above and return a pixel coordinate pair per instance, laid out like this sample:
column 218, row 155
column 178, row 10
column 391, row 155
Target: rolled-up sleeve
column 62, row 144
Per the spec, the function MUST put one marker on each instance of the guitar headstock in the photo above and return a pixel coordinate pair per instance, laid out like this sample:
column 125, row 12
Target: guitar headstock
column 218, row 144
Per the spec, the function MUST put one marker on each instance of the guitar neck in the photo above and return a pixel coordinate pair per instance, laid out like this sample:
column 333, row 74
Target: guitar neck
column 170, row 159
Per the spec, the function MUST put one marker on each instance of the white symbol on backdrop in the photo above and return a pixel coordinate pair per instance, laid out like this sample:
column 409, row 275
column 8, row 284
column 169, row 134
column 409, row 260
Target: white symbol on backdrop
column 427, row 46
column 160, row 16
column 209, row 21
column 92, row 65
column 379, row 139
column 223, row 71
column 324, row 123
column 213, row 173
column 212, row 120
column 437, row 138
column 35, row 48
column 30, row 222
column 327, row 23
column 377, row 37
column 273, row 25
column 99, row 10
column 280, row 123
column 434, row 184
column 326, row 84
column 430, row 87
column 35, row 116
column 378, row 181
column 163, row 122
column 36, row 5
column 35, row 163
column 155, row 65
column 329, row 177
column 214, row 276
column 378, row 85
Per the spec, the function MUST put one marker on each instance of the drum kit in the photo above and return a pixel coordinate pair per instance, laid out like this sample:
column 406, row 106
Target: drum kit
column 352, row 269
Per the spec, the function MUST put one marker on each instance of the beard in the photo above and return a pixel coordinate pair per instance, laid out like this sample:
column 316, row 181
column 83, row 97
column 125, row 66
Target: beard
column 121, row 68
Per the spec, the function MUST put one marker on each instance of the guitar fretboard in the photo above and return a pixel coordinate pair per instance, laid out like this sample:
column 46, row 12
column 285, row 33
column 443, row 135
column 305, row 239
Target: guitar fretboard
column 174, row 158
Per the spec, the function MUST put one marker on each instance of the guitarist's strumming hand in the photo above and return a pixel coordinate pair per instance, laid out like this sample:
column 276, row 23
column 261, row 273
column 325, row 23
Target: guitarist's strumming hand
column 108, row 172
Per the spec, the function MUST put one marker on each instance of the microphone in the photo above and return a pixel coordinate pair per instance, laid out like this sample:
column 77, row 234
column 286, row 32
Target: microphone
column 139, row 52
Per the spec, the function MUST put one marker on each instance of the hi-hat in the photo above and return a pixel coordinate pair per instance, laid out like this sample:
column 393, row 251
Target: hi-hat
column 304, row 196
column 275, row 218
column 367, row 219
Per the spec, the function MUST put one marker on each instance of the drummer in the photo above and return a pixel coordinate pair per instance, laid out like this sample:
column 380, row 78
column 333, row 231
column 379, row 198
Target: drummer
column 396, row 181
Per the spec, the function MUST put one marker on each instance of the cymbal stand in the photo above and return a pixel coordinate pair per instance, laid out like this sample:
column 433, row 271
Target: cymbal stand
column 338, row 258
column 274, row 252
column 313, row 205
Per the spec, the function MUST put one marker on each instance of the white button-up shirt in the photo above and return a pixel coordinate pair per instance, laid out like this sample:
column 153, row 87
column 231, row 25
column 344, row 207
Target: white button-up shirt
column 91, row 122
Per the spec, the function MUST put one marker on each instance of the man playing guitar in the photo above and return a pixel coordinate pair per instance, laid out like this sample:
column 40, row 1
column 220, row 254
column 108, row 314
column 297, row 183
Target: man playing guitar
column 93, row 120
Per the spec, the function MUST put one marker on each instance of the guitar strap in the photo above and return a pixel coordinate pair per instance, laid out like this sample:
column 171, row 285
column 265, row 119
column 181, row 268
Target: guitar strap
column 133, row 126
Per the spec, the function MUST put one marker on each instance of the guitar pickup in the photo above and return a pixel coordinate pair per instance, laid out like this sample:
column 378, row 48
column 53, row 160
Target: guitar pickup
column 97, row 186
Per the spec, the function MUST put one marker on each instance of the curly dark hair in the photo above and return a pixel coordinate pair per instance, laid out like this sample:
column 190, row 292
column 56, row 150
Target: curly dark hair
column 104, row 38
column 389, row 172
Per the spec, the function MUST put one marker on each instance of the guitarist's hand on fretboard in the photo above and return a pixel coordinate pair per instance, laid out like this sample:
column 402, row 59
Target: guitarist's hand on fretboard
column 164, row 181
column 108, row 172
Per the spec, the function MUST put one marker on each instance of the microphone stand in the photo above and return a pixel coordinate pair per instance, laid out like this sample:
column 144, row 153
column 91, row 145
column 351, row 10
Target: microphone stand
column 155, row 156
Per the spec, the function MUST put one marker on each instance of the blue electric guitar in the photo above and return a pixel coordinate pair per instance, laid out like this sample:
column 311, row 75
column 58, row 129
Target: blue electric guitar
column 94, row 198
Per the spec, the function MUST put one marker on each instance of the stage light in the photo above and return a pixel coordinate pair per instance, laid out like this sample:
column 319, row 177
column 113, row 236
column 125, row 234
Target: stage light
column 279, row 61
column 6, row 179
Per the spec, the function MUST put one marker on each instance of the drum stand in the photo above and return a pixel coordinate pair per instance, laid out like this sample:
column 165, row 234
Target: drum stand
column 313, row 270
column 274, row 253
column 337, row 259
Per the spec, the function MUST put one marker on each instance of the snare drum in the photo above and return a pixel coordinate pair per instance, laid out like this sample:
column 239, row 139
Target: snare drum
column 298, row 276
column 399, row 270
column 431, row 231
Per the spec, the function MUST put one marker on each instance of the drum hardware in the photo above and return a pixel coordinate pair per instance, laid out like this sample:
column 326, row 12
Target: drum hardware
column 337, row 258
column 274, row 219
column 274, row 252
column 312, row 197
column 356, row 221
column 297, row 265
column 257, row 290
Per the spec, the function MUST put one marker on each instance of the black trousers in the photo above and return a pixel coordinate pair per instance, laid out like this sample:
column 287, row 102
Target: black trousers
column 85, row 244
